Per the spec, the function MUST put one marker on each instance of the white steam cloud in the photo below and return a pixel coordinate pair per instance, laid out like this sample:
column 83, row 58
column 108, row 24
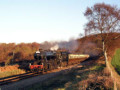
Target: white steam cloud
column 56, row 47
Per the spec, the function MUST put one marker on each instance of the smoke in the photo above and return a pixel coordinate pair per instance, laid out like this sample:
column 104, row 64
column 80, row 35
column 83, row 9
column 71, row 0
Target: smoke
column 82, row 45
column 56, row 47
column 70, row 45
column 89, row 47
column 47, row 45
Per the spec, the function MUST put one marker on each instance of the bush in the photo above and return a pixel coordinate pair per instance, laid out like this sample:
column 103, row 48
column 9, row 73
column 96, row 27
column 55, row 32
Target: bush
column 10, row 70
column 98, row 67
column 11, row 73
column 116, row 60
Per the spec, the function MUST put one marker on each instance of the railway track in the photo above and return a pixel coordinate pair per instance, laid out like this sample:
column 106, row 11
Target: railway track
column 15, row 78
column 7, row 80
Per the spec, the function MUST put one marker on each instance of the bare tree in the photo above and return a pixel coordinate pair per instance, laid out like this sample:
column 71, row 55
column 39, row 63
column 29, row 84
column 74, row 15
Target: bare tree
column 103, row 20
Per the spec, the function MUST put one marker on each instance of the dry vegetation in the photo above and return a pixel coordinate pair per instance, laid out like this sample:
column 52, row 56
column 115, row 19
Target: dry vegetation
column 11, row 52
column 88, row 77
column 91, row 75
column 113, row 45
column 24, row 51
column 10, row 70
column 90, row 45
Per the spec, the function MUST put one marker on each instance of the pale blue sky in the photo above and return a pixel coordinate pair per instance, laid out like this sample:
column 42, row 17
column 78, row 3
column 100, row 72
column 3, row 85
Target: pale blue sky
column 43, row 20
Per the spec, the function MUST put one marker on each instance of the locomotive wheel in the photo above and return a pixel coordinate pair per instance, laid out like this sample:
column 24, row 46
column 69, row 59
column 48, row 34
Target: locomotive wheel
column 36, row 70
column 32, row 70
column 43, row 71
column 49, row 66
column 55, row 65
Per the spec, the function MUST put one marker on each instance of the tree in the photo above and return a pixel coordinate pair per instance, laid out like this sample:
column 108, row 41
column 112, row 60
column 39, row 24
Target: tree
column 103, row 20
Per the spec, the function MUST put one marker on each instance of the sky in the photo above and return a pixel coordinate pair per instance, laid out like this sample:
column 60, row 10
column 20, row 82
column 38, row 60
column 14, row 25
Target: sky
column 43, row 20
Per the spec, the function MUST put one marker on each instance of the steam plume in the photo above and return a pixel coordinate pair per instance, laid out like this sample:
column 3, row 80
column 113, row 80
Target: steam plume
column 56, row 47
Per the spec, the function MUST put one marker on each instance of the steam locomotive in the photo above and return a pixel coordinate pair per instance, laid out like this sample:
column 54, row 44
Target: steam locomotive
column 47, row 60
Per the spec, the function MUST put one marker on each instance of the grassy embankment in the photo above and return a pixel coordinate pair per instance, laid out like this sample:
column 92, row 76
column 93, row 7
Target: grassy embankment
column 10, row 71
column 114, row 63
column 91, row 75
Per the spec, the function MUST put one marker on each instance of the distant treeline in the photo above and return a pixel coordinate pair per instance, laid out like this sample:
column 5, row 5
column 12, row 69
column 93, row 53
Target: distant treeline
column 17, row 52
column 12, row 52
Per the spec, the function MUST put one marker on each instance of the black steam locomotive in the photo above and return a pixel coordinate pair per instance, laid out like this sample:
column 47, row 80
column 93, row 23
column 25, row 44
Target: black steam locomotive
column 48, row 60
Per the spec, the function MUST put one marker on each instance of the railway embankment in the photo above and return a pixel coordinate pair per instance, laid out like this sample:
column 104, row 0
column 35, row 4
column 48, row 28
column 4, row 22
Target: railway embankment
column 30, row 81
column 92, row 75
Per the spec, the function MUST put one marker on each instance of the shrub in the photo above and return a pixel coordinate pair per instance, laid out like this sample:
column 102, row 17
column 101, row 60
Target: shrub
column 97, row 67
column 10, row 71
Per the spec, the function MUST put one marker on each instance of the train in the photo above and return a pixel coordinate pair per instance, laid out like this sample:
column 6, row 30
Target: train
column 49, row 59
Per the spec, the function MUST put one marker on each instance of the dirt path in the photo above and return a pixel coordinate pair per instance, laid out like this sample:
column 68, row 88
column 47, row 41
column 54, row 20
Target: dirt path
column 30, row 81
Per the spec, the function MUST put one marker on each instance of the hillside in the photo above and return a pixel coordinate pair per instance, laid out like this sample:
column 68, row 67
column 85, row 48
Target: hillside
column 89, row 45
column 91, row 74
column 12, row 52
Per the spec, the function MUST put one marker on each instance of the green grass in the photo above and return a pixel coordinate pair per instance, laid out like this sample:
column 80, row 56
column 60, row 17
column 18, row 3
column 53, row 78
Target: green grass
column 116, row 60
column 97, row 67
